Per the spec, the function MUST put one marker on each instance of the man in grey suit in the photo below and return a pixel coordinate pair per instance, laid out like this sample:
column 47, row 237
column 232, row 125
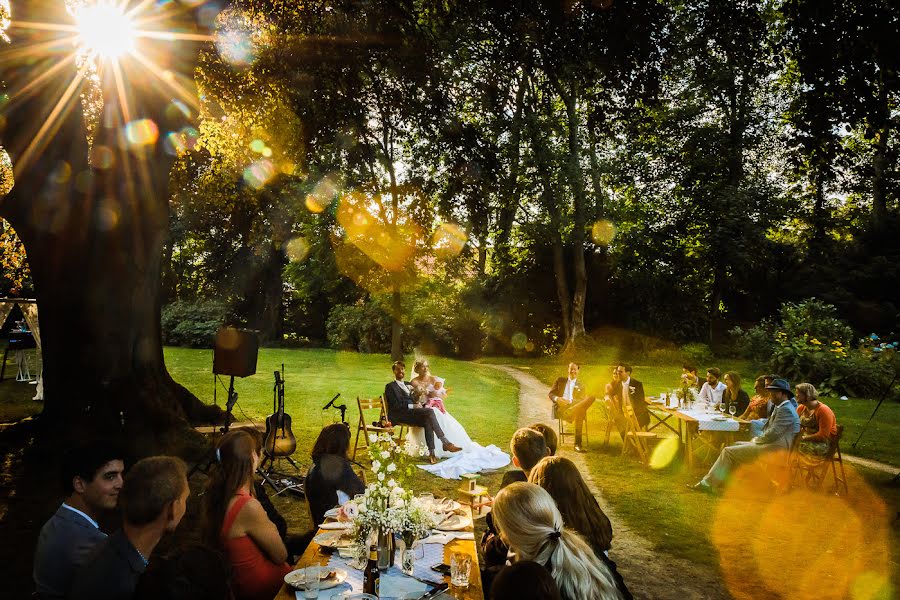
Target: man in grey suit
column 92, row 478
column 778, row 434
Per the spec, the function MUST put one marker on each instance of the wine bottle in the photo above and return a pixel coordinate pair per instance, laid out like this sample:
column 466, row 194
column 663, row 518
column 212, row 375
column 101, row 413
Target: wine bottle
column 372, row 576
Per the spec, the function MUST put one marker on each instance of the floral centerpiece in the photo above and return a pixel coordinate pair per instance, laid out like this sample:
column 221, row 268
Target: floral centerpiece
column 686, row 393
column 387, row 508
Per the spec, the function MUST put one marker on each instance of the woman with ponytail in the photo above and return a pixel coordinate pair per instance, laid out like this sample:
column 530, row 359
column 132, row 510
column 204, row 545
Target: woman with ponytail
column 235, row 522
column 530, row 524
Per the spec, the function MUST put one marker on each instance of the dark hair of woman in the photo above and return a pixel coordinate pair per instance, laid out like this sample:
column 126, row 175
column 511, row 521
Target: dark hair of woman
column 580, row 510
column 333, row 439
column 233, row 470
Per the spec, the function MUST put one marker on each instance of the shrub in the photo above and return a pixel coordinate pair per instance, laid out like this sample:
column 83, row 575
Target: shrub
column 697, row 354
column 362, row 326
column 192, row 324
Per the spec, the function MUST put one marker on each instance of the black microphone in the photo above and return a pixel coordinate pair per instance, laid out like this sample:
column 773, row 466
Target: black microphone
column 331, row 402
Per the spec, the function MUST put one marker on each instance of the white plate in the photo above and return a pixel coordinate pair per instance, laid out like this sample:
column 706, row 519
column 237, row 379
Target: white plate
column 337, row 525
column 333, row 539
column 332, row 513
column 446, row 505
column 295, row 578
column 721, row 419
column 455, row 523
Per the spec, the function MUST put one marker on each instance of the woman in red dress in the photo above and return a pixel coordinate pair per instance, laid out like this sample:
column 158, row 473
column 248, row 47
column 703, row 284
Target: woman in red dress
column 236, row 522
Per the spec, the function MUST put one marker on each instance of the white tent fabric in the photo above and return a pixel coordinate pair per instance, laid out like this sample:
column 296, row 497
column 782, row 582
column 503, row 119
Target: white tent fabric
column 29, row 308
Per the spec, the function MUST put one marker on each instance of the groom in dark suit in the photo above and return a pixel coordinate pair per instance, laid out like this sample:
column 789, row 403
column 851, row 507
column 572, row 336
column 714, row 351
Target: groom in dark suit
column 402, row 409
column 633, row 393
column 569, row 402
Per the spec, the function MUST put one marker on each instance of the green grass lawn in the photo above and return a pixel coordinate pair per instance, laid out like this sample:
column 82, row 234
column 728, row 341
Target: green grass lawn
column 484, row 400
column 658, row 506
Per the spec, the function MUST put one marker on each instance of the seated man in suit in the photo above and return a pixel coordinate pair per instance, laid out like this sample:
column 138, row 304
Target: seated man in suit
column 633, row 393
column 154, row 499
column 569, row 402
column 402, row 409
column 778, row 434
column 92, row 479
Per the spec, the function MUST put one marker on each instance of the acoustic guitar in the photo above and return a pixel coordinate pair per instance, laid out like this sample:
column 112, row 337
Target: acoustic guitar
column 280, row 440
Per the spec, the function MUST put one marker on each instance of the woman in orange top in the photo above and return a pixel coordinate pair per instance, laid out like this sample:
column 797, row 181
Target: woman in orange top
column 818, row 425
column 236, row 522
column 757, row 407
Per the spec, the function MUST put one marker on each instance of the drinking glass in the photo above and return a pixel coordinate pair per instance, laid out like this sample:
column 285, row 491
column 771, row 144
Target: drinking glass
column 721, row 407
column 732, row 409
column 311, row 582
column 460, row 565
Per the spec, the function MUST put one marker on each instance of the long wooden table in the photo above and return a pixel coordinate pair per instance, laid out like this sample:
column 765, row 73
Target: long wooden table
column 317, row 555
column 688, row 430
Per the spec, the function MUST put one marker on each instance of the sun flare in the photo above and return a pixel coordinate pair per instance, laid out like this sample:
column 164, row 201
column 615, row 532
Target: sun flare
column 106, row 30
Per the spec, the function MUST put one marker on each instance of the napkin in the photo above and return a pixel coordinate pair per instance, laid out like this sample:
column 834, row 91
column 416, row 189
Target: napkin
column 445, row 537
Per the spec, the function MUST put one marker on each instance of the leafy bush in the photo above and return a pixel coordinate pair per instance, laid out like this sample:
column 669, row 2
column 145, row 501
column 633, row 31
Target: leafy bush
column 697, row 354
column 809, row 343
column 192, row 324
column 362, row 326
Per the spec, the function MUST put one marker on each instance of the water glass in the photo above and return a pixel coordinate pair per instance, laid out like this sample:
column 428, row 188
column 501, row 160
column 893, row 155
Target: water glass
column 311, row 582
column 732, row 409
column 460, row 565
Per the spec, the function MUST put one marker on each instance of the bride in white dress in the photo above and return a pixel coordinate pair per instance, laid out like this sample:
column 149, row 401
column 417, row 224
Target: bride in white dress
column 432, row 392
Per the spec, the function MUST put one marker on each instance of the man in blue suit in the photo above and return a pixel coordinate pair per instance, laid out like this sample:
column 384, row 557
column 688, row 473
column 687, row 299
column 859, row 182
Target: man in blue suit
column 92, row 479
column 778, row 434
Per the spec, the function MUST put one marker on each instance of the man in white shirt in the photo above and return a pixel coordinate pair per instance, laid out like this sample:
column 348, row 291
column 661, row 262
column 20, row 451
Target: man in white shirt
column 712, row 390
column 92, row 478
column 569, row 401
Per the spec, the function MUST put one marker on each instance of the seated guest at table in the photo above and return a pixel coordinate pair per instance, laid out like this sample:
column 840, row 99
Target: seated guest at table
column 778, row 434
column 689, row 376
column 733, row 393
column 92, row 479
column 633, row 393
column 528, row 447
column 529, row 522
column 331, row 480
column 524, row 580
column 153, row 501
column 818, row 426
column 550, row 437
column 579, row 508
column 758, row 403
column 236, row 522
column 193, row 572
column 403, row 410
column 570, row 402
column 712, row 390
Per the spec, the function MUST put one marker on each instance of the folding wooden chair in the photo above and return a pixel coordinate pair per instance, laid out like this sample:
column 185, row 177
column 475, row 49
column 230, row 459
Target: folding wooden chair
column 613, row 416
column 562, row 433
column 813, row 470
column 634, row 436
column 366, row 428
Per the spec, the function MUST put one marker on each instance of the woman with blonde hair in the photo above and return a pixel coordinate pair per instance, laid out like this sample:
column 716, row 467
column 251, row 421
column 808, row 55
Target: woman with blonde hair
column 530, row 524
column 235, row 521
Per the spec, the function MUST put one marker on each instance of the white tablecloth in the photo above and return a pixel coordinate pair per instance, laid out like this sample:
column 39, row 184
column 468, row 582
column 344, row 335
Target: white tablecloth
column 711, row 421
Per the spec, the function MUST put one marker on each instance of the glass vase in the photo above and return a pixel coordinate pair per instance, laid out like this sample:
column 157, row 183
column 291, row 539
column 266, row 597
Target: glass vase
column 385, row 550
column 408, row 556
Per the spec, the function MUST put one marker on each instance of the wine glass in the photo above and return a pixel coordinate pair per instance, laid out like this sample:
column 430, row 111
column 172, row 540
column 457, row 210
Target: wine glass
column 721, row 407
column 732, row 409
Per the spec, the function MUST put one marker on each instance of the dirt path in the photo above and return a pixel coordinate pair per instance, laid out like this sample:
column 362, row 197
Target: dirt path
column 649, row 574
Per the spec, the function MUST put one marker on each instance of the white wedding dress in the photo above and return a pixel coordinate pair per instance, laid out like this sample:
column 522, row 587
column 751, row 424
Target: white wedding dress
column 471, row 459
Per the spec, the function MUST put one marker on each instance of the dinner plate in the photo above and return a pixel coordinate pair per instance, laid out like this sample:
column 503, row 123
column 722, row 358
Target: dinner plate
column 721, row 419
column 333, row 539
column 334, row 578
column 455, row 523
column 337, row 525
column 446, row 505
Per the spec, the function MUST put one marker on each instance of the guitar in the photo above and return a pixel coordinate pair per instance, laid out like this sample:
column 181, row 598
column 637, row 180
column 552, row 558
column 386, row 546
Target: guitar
column 280, row 440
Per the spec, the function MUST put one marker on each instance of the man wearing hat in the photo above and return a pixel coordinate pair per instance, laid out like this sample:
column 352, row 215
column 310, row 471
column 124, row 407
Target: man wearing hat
column 778, row 434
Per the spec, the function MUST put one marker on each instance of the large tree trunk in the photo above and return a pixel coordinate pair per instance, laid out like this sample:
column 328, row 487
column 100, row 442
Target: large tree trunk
column 603, row 268
column 879, row 180
column 94, row 240
column 576, row 183
column 509, row 190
